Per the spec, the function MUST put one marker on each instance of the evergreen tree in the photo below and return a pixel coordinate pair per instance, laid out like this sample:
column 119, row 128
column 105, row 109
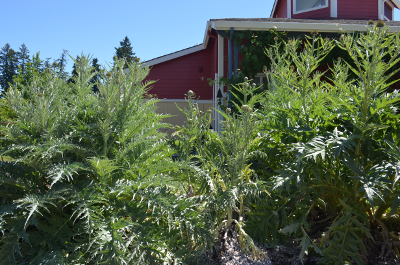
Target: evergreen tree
column 61, row 64
column 8, row 66
column 74, row 73
column 96, row 68
column 37, row 64
column 95, row 78
column 23, row 57
column 125, row 51
column 33, row 68
column 46, row 63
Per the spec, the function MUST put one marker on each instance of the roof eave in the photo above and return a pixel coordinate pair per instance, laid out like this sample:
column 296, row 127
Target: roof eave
column 396, row 3
column 265, row 25
column 174, row 55
column 273, row 9
column 292, row 26
column 206, row 37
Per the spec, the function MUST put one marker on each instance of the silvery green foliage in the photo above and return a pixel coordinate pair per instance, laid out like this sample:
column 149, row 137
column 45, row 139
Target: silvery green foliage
column 332, row 145
column 90, row 180
column 221, row 177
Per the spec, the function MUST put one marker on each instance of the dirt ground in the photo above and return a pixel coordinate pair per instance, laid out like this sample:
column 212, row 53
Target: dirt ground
column 229, row 252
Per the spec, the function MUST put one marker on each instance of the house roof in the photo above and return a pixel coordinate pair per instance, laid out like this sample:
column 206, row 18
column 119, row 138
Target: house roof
column 302, row 20
column 279, row 24
column 299, row 25
column 174, row 55
column 273, row 8
column 395, row 2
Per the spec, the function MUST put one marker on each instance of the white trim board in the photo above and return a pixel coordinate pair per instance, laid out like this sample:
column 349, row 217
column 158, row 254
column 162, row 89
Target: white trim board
column 174, row 55
column 288, row 8
column 206, row 37
column 184, row 52
column 334, row 8
column 397, row 3
column 293, row 26
column 273, row 9
column 253, row 25
column 381, row 8
column 201, row 101
column 390, row 3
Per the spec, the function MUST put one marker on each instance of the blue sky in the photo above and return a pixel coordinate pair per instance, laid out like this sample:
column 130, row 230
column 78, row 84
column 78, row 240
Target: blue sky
column 154, row 28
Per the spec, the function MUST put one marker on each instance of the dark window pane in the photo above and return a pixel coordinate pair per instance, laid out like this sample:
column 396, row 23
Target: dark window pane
column 309, row 4
column 388, row 11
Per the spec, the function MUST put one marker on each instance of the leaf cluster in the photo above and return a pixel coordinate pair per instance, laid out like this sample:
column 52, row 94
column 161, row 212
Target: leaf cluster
column 331, row 146
column 91, row 179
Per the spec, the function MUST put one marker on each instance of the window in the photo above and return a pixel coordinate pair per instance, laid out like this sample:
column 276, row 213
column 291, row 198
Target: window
column 388, row 11
column 308, row 5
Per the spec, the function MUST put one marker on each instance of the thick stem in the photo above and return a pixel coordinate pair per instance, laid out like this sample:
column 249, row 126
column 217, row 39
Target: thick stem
column 229, row 223
column 241, row 209
column 382, row 208
column 105, row 139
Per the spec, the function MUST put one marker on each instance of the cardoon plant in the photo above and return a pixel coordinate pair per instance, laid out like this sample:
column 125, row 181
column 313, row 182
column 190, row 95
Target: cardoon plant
column 90, row 179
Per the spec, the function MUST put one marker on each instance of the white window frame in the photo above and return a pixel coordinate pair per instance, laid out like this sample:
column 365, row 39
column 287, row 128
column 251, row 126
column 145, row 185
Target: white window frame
column 383, row 10
column 307, row 10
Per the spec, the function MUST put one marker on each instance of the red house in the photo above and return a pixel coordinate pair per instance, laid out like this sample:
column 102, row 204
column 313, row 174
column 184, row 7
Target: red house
column 218, row 55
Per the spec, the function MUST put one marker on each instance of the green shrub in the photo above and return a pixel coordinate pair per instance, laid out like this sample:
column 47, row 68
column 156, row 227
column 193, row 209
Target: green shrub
column 332, row 147
column 89, row 178
column 221, row 177
column 92, row 179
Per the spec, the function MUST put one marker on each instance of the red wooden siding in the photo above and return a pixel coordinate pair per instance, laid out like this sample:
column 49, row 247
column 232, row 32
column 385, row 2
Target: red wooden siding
column 388, row 11
column 347, row 9
column 356, row 9
column 281, row 9
column 314, row 14
column 190, row 72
